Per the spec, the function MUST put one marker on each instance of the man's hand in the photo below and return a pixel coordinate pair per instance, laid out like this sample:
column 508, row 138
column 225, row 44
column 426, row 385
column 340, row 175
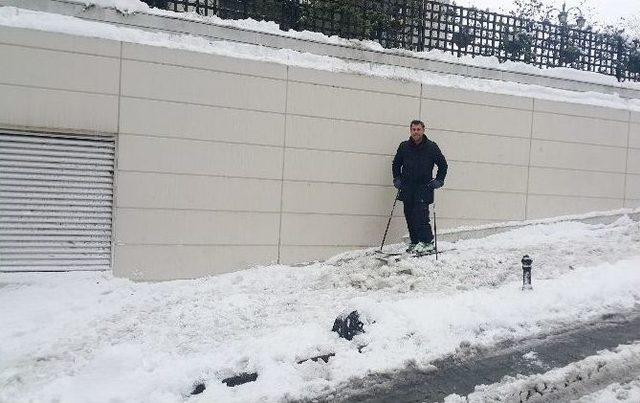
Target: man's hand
column 435, row 184
column 397, row 182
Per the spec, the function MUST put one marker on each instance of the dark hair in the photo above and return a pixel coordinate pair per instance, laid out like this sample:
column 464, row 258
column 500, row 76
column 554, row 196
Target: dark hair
column 417, row 122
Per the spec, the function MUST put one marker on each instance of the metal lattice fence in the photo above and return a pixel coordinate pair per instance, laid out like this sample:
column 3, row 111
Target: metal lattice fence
column 424, row 25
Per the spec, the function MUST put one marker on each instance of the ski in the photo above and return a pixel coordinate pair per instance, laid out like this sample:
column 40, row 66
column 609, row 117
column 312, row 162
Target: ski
column 398, row 256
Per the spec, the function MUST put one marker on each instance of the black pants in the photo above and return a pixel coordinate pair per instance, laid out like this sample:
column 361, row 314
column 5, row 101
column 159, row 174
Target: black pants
column 416, row 212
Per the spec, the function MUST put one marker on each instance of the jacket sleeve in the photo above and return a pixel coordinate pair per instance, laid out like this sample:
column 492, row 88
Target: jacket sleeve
column 441, row 163
column 396, row 166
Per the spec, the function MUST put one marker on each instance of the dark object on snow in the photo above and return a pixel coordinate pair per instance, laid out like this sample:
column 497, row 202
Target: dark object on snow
column 526, row 272
column 349, row 326
column 199, row 388
column 324, row 358
column 240, row 379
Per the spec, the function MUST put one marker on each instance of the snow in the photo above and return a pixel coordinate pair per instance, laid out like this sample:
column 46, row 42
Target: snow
column 124, row 6
column 90, row 337
column 131, row 6
column 570, row 217
column 560, row 383
column 616, row 392
column 20, row 18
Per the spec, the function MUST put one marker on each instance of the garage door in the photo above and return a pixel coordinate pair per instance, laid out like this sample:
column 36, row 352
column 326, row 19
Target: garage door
column 56, row 197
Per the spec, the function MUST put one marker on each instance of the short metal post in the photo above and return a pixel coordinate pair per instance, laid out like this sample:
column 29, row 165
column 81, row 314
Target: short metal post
column 526, row 272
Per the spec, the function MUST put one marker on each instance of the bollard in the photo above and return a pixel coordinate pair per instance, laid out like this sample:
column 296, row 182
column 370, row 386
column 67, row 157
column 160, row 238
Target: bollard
column 526, row 272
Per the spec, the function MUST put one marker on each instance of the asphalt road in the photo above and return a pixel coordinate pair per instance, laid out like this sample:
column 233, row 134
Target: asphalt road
column 461, row 375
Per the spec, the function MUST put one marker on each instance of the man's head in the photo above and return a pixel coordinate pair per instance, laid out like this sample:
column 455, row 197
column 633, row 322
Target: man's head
column 416, row 129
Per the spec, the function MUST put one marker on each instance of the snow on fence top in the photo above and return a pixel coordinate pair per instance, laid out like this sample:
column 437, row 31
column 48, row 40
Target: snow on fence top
column 420, row 25
column 435, row 54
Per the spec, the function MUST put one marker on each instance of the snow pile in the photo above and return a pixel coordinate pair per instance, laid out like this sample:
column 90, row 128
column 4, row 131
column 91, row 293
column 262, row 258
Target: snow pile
column 563, row 384
column 15, row 17
column 616, row 392
column 556, row 248
column 598, row 215
column 89, row 337
column 124, row 6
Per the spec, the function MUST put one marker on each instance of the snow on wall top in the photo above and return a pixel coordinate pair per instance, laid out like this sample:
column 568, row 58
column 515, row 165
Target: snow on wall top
column 134, row 6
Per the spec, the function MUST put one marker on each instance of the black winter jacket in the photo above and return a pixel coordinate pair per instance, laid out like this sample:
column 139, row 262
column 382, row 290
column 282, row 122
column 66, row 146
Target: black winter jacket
column 414, row 164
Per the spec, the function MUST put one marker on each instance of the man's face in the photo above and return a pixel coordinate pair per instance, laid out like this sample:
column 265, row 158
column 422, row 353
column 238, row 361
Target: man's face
column 417, row 131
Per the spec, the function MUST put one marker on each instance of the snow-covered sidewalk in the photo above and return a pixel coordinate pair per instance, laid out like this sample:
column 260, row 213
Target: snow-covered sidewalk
column 89, row 337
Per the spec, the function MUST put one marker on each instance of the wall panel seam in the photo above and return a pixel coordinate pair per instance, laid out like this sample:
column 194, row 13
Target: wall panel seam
column 531, row 122
column 324, row 150
column 37, row 87
column 201, row 140
column 626, row 162
column 406, row 95
column 391, row 156
column 190, row 67
column 573, row 196
column 580, row 143
column 350, row 183
column 400, row 217
column 200, row 175
column 396, row 215
column 577, row 169
column 266, row 111
column 74, row 52
column 199, row 210
column 302, row 115
column 582, row 116
column 448, row 188
column 506, row 136
column 574, row 170
column 527, row 109
column 284, row 152
column 213, row 106
column 182, row 245
column 116, row 196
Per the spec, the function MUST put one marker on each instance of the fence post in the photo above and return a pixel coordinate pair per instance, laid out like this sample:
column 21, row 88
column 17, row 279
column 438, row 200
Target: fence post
column 620, row 58
column 422, row 26
column 289, row 15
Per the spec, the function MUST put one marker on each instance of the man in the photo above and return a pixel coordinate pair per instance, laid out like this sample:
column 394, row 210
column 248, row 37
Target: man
column 413, row 177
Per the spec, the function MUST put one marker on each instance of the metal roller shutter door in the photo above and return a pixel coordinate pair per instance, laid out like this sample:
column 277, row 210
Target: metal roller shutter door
column 56, row 198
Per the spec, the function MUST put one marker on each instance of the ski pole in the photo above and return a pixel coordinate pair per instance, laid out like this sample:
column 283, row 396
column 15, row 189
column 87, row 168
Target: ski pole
column 384, row 237
column 435, row 225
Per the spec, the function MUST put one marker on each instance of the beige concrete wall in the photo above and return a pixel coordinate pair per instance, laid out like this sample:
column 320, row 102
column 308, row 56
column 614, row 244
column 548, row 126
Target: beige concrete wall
column 199, row 163
column 632, row 195
column 57, row 82
column 225, row 164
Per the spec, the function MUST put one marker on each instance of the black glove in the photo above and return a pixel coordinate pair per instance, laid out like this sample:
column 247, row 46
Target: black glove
column 397, row 182
column 435, row 184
